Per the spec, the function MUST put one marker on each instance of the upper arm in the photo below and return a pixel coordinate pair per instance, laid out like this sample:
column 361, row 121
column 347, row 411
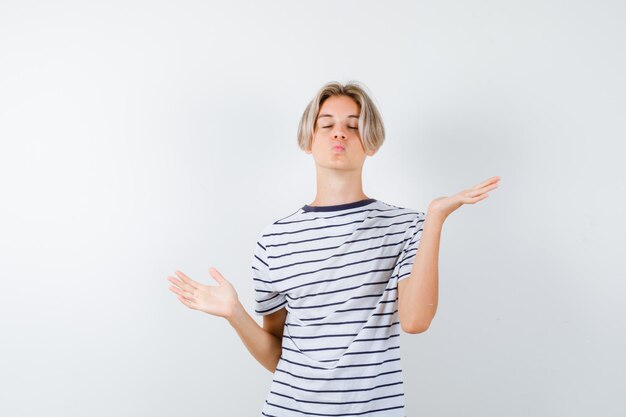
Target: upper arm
column 401, row 285
column 275, row 322
column 406, row 259
column 410, row 247
column 267, row 298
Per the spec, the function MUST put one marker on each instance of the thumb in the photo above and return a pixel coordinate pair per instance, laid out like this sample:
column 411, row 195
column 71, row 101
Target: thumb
column 217, row 276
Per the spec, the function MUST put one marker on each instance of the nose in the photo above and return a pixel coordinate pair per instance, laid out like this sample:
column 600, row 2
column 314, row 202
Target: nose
column 339, row 135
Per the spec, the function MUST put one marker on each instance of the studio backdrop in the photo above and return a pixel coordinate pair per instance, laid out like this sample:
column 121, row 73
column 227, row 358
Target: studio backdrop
column 139, row 138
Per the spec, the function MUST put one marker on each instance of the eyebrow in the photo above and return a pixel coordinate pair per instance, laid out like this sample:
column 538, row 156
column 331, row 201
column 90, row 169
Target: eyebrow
column 330, row 115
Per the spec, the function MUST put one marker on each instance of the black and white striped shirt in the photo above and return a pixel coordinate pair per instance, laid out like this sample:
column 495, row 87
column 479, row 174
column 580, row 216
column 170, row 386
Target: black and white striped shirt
column 336, row 271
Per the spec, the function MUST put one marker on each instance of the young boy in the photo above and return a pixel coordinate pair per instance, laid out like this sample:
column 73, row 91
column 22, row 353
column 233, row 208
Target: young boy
column 338, row 279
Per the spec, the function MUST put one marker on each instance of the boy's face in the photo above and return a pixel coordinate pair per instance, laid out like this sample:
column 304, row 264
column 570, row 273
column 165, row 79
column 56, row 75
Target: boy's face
column 337, row 124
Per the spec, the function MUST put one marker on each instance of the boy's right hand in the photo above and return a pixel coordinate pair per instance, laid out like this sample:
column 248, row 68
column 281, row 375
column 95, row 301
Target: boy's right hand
column 218, row 300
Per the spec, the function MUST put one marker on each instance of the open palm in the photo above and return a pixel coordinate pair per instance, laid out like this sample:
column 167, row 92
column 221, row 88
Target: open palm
column 443, row 206
column 217, row 300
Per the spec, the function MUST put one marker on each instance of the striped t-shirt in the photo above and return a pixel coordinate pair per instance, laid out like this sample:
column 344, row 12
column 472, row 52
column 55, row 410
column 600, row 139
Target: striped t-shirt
column 336, row 271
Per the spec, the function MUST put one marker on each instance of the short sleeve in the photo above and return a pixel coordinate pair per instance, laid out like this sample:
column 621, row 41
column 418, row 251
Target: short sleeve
column 409, row 251
column 266, row 298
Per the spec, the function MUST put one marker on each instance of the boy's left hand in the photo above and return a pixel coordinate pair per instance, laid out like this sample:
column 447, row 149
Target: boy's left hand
column 443, row 206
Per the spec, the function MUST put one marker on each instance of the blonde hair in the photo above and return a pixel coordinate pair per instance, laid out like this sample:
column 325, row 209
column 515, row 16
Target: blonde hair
column 371, row 127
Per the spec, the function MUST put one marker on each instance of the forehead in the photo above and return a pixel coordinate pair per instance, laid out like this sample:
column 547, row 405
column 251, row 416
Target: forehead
column 340, row 107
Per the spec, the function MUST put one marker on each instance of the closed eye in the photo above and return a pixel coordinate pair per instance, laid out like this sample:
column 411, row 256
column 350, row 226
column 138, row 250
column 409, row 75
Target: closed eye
column 353, row 128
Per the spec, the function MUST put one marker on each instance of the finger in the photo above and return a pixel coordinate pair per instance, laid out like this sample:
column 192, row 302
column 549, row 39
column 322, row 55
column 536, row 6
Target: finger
column 180, row 284
column 491, row 187
column 186, row 294
column 215, row 274
column 485, row 189
column 473, row 200
column 473, row 194
column 492, row 180
column 486, row 182
column 175, row 281
column 188, row 280
column 480, row 191
column 188, row 303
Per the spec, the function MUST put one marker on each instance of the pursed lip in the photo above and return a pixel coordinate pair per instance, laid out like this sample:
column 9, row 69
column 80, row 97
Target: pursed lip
column 338, row 147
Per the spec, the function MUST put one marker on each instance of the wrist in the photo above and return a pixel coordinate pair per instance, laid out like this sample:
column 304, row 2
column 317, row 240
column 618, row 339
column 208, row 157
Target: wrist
column 236, row 312
column 434, row 216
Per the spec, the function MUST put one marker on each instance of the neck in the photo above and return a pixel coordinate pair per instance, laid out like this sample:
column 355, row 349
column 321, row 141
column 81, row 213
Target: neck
column 338, row 187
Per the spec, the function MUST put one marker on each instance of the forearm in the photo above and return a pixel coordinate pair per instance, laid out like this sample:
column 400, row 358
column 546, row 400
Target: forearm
column 263, row 345
column 420, row 294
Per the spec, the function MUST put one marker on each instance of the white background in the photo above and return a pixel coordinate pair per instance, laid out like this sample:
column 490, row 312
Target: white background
column 138, row 138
